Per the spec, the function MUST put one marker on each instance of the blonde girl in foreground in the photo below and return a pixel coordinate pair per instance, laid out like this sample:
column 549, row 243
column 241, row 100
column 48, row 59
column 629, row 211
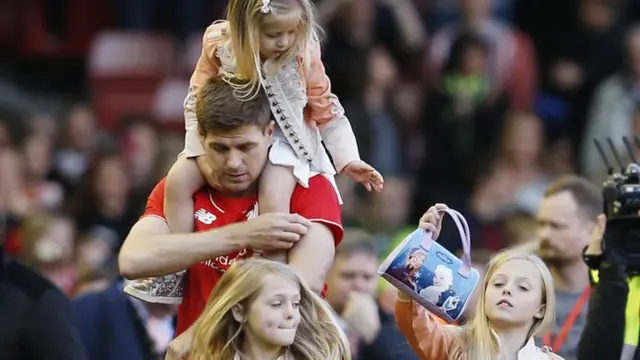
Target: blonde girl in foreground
column 516, row 305
column 262, row 309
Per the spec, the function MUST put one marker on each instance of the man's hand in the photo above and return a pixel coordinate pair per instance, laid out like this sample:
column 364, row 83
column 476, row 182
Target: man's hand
column 361, row 313
column 273, row 231
column 432, row 220
column 595, row 246
column 179, row 348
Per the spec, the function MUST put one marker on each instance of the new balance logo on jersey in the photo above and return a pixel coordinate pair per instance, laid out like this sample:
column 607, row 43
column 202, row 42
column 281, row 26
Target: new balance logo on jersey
column 205, row 217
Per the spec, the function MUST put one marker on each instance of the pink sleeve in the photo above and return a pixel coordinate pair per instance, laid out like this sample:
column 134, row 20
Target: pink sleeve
column 206, row 68
column 427, row 336
column 324, row 108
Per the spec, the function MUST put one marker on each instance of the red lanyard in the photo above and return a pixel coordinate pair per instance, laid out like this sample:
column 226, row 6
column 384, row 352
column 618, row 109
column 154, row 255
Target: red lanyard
column 562, row 335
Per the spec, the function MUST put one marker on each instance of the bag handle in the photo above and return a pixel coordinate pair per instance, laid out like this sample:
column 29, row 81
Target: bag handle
column 465, row 237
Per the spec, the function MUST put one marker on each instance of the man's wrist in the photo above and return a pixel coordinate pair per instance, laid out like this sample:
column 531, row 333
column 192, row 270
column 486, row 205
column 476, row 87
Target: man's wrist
column 231, row 235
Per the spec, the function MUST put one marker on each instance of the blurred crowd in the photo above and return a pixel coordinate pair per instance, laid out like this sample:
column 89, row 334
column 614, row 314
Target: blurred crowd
column 478, row 104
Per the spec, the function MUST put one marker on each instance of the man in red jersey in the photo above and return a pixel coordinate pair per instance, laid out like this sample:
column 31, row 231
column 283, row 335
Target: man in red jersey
column 236, row 136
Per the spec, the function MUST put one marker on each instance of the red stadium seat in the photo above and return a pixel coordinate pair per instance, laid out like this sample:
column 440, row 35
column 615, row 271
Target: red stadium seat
column 125, row 69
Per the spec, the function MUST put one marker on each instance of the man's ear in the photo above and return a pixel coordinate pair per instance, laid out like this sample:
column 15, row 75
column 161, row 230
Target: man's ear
column 271, row 127
column 238, row 313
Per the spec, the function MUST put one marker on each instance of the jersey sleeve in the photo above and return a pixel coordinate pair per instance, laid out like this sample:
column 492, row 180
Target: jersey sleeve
column 155, row 201
column 319, row 203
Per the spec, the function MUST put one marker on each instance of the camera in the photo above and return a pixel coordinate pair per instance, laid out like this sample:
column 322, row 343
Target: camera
column 621, row 202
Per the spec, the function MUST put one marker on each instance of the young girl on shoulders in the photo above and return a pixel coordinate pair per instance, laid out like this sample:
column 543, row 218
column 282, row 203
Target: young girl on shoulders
column 516, row 304
column 263, row 310
column 271, row 46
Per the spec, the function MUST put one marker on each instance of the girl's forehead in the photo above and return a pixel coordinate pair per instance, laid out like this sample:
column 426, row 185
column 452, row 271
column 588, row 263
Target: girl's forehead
column 518, row 268
column 283, row 22
column 273, row 285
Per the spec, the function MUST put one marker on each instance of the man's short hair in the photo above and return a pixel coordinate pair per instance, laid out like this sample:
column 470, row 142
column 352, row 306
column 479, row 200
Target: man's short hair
column 218, row 110
column 356, row 242
column 587, row 196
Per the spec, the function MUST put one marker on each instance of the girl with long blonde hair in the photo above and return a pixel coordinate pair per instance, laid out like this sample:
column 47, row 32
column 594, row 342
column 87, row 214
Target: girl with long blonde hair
column 271, row 46
column 263, row 309
column 516, row 305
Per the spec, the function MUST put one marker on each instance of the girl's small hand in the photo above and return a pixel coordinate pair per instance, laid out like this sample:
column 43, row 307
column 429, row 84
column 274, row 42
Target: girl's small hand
column 432, row 220
column 365, row 174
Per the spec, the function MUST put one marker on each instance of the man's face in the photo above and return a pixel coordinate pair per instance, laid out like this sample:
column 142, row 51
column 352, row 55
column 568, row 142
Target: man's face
column 563, row 230
column 355, row 273
column 237, row 157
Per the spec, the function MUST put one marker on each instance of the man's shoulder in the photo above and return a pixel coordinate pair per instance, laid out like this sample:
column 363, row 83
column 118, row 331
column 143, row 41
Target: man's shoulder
column 319, row 203
column 318, row 184
column 320, row 192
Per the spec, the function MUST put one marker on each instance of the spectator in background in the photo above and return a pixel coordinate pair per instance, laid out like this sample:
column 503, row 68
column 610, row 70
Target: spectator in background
column 78, row 141
column 515, row 180
column 511, row 63
column 139, row 142
column 365, row 39
column 468, row 106
column 36, row 321
column 581, row 59
column 115, row 326
column 386, row 155
column 101, row 205
column 352, row 283
column 566, row 221
column 38, row 151
column 48, row 246
column 612, row 111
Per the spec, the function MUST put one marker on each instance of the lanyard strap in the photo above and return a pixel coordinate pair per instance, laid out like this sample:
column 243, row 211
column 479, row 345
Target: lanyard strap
column 566, row 327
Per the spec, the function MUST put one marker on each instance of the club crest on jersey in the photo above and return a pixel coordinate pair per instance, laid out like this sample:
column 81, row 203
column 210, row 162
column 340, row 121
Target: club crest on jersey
column 204, row 217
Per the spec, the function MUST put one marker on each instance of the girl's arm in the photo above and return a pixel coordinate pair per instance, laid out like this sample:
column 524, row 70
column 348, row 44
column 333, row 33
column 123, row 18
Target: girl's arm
column 325, row 109
column 428, row 336
column 206, row 68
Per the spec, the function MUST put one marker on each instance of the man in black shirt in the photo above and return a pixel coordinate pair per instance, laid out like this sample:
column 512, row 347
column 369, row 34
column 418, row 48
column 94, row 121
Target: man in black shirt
column 35, row 318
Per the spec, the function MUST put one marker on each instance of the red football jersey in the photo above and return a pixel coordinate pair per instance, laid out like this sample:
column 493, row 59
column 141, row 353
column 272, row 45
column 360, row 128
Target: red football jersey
column 317, row 203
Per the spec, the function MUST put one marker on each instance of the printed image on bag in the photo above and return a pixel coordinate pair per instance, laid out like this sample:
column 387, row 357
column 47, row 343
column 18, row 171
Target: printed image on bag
column 430, row 274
